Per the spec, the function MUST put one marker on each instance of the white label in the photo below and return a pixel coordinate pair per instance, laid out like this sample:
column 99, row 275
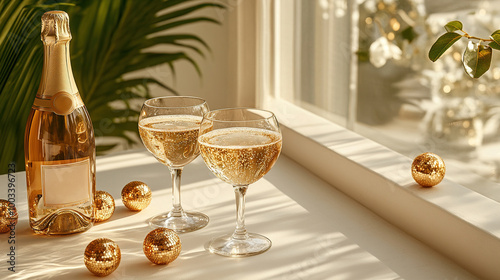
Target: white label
column 66, row 184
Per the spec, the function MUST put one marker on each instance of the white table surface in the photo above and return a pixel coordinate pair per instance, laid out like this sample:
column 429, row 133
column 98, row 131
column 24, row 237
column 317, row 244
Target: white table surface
column 317, row 231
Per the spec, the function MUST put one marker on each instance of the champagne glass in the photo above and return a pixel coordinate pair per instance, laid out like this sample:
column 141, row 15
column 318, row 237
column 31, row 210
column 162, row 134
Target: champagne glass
column 239, row 146
column 169, row 128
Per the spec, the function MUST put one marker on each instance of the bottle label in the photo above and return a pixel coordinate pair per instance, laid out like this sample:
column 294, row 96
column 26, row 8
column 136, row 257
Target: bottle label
column 66, row 184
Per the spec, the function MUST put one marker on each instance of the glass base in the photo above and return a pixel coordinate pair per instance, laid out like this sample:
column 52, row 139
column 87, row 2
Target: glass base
column 227, row 246
column 187, row 222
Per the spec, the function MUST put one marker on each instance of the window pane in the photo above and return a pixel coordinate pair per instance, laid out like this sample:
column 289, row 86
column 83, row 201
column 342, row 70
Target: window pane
column 364, row 64
column 319, row 47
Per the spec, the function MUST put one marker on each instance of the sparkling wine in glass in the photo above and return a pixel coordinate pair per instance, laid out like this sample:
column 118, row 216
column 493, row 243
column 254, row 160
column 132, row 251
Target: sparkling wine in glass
column 239, row 146
column 169, row 128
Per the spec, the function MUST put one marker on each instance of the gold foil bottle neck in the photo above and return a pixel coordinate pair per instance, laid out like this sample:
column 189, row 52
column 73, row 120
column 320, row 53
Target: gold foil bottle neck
column 57, row 92
column 55, row 27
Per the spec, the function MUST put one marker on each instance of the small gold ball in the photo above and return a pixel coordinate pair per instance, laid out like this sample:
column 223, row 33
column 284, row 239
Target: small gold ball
column 162, row 246
column 8, row 216
column 104, row 206
column 102, row 256
column 428, row 169
column 136, row 195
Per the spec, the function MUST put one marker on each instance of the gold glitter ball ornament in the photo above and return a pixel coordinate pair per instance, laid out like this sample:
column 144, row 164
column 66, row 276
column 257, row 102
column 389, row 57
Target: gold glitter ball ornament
column 8, row 216
column 428, row 169
column 162, row 246
column 102, row 256
column 136, row 195
column 104, row 206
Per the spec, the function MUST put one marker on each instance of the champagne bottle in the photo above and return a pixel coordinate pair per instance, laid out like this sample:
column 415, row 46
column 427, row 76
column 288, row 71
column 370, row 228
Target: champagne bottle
column 59, row 143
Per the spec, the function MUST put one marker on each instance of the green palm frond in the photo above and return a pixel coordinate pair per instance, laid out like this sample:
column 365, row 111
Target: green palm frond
column 110, row 39
column 20, row 70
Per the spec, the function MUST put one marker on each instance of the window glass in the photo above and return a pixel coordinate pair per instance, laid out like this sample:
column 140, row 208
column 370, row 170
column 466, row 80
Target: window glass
column 364, row 65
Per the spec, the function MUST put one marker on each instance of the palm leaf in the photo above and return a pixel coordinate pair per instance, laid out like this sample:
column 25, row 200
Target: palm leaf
column 110, row 39
column 188, row 10
column 169, row 25
column 20, row 69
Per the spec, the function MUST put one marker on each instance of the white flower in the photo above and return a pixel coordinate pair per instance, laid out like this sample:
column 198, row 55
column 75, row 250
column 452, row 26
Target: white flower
column 382, row 50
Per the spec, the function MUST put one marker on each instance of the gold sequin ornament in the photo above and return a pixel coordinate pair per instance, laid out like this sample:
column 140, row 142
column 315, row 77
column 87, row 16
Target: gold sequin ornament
column 428, row 169
column 8, row 216
column 162, row 246
column 136, row 195
column 104, row 206
column 102, row 256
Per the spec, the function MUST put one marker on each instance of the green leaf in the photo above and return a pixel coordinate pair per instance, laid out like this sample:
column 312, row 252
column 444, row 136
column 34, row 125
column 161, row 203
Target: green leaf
column 363, row 56
column 145, row 60
column 494, row 45
column 476, row 59
column 185, row 11
column 453, row 26
column 409, row 34
column 183, row 22
column 175, row 40
column 442, row 44
column 496, row 36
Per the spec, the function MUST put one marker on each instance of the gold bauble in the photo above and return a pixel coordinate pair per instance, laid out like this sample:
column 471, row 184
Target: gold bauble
column 102, row 256
column 162, row 246
column 8, row 216
column 136, row 195
column 104, row 206
column 428, row 169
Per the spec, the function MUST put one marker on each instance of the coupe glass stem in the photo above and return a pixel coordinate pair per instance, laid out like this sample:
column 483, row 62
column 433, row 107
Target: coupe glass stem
column 177, row 210
column 240, row 232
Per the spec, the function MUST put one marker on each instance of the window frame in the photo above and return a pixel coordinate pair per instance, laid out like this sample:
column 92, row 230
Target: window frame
column 375, row 176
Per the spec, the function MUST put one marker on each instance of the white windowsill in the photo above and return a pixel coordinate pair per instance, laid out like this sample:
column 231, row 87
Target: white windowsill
column 317, row 232
column 452, row 219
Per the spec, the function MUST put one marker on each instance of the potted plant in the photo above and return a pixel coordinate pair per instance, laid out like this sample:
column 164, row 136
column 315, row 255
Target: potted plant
column 111, row 38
